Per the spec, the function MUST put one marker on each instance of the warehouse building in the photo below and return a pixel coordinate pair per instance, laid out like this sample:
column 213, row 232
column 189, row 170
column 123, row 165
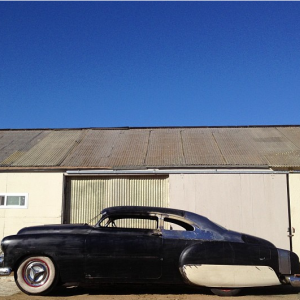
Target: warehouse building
column 244, row 178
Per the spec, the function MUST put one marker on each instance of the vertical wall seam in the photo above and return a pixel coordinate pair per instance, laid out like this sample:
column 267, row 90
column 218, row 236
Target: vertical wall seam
column 289, row 211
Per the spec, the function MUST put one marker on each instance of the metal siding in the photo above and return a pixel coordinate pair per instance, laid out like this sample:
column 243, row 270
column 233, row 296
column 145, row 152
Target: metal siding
column 290, row 159
column 94, row 149
column 84, row 201
column 279, row 146
column 292, row 134
column 130, row 148
column 51, row 150
column 237, row 148
column 200, row 147
column 88, row 196
column 135, row 148
column 14, row 144
column 251, row 203
column 165, row 148
column 271, row 141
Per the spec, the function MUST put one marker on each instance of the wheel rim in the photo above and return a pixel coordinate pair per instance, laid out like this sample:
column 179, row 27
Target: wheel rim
column 36, row 273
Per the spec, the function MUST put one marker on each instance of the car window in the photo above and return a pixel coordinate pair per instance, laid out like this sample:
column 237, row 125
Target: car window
column 135, row 222
column 205, row 224
column 178, row 225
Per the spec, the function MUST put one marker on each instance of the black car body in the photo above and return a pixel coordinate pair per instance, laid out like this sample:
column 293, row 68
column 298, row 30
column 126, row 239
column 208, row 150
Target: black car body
column 145, row 245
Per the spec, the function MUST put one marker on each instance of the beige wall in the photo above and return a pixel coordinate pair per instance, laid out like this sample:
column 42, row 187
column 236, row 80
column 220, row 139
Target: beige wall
column 45, row 191
column 294, row 180
column 251, row 203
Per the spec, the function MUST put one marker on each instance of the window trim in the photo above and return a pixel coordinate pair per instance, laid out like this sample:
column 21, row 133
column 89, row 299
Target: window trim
column 112, row 218
column 5, row 206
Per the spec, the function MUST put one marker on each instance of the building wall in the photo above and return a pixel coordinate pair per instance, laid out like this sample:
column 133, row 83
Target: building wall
column 45, row 191
column 294, row 181
column 251, row 203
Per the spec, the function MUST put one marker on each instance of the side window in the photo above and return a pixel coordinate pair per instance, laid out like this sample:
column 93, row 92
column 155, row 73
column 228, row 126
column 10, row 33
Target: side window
column 13, row 200
column 132, row 222
column 173, row 224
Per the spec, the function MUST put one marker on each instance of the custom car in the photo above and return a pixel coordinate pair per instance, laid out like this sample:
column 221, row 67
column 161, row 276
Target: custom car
column 145, row 245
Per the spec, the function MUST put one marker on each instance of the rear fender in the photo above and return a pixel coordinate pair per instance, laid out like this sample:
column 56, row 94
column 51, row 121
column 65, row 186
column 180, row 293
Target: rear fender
column 218, row 264
column 208, row 253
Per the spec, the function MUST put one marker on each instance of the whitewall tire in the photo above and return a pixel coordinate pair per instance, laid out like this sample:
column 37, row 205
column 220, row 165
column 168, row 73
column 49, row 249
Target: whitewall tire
column 36, row 275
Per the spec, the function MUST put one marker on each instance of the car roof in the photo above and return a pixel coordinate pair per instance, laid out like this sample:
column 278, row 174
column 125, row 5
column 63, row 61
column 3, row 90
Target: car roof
column 142, row 210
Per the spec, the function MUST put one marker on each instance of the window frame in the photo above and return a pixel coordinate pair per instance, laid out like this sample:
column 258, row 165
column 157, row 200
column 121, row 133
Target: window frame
column 5, row 206
column 189, row 227
column 110, row 220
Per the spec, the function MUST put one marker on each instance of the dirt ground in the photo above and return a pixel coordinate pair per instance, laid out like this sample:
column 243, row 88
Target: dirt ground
column 9, row 291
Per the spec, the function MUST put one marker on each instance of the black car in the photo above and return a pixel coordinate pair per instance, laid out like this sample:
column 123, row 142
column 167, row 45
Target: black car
column 145, row 245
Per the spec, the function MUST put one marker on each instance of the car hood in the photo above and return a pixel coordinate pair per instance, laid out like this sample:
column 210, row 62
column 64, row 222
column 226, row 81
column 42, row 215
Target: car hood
column 65, row 228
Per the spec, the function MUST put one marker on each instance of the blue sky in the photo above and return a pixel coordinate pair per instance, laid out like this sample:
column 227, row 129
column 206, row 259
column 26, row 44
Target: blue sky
column 138, row 64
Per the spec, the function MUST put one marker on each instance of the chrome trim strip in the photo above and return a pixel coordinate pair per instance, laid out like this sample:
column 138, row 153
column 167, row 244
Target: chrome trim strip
column 5, row 271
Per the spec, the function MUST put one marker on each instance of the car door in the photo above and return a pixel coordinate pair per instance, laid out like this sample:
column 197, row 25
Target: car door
column 124, row 254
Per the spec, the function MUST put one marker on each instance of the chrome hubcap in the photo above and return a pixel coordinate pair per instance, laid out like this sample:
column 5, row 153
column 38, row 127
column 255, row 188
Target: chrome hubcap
column 36, row 273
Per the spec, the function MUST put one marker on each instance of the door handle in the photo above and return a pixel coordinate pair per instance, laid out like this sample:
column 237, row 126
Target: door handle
column 157, row 233
column 292, row 231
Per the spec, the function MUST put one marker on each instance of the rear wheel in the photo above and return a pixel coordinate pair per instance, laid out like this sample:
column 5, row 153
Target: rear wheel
column 225, row 292
column 36, row 275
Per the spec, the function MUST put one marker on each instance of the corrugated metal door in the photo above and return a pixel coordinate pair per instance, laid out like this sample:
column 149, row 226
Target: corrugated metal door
column 87, row 196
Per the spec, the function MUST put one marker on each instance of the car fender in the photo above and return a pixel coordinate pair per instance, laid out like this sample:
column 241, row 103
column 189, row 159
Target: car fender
column 213, row 264
column 62, row 249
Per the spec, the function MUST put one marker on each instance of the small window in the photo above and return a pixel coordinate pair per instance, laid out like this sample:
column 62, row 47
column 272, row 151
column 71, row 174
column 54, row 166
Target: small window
column 13, row 200
column 173, row 224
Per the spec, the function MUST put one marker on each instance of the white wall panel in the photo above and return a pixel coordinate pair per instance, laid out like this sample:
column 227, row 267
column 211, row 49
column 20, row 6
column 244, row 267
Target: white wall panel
column 251, row 203
column 45, row 191
column 294, row 180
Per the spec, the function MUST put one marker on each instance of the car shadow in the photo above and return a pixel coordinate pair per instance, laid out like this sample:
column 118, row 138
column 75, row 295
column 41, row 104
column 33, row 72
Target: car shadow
column 273, row 290
column 164, row 290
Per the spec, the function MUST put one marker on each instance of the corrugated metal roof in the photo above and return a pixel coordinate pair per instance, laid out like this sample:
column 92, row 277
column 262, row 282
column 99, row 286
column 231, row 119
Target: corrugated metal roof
column 199, row 144
column 165, row 148
column 51, row 150
column 131, row 148
column 237, row 147
column 94, row 150
column 14, row 144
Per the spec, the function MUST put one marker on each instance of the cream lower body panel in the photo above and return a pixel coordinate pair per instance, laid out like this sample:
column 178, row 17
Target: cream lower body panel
column 230, row 276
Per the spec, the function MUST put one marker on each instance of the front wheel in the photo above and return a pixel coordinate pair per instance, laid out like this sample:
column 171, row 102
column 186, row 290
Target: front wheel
column 225, row 292
column 36, row 275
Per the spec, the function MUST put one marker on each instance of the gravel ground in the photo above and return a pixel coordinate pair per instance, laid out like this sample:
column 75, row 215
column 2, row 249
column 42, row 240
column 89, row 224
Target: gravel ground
column 8, row 286
column 9, row 291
